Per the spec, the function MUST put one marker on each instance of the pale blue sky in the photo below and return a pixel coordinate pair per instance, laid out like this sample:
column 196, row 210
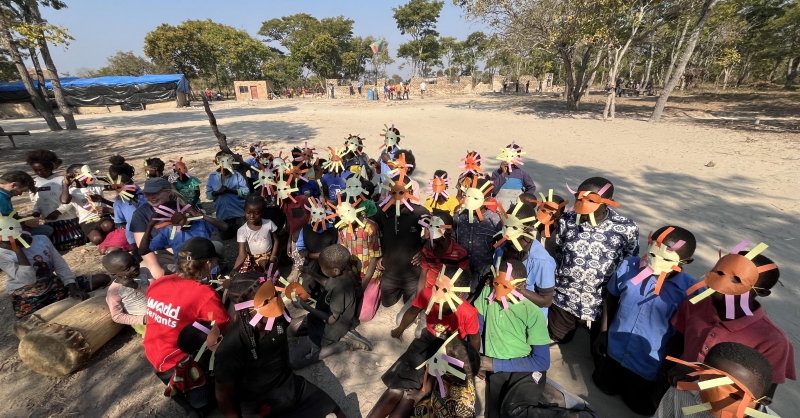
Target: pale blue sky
column 102, row 27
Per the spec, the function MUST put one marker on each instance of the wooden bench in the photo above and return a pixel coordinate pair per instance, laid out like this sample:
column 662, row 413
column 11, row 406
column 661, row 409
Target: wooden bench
column 11, row 135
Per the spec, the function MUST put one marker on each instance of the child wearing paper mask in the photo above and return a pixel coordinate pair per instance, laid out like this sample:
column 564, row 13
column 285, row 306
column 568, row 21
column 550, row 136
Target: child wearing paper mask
column 642, row 297
column 403, row 380
column 442, row 203
column 228, row 189
column 707, row 322
column 440, row 250
column 510, row 180
column 753, row 376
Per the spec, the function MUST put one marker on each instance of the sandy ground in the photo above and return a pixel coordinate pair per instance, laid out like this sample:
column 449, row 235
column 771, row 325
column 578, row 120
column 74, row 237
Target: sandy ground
column 659, row 171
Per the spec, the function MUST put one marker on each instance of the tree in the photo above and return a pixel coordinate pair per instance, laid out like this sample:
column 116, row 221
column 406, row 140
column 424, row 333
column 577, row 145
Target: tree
column 616, row 52
column 473, row 50
column 8, row 71
column 126, row 63
column 418, row 18
column 669, row 86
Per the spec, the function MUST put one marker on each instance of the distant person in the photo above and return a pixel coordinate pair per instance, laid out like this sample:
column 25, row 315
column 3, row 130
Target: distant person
column 208, row 94
column 422, row 87
column 359, row 85
column 527, row 85
column 516, row 87
column 620, row 85
column 406, row 88
column 541, row 85
column 330, row 86
column 385, row 92
column 352, row 91
column 505, row 85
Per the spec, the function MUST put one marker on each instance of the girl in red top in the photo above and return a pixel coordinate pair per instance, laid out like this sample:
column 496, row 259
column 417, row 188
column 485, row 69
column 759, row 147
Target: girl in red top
column 177, row 301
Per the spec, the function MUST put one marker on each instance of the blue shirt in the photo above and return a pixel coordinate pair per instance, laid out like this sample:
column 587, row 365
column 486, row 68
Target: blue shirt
column 638, row 334
column 335, row 185
column 478, row 239
column 252, row 162
column 541, row 269
column 161, row 240
column 123, row 212
column 587, row 257
column 5, row 203
column 309, row 187
column 301, row 242
column 228, row 206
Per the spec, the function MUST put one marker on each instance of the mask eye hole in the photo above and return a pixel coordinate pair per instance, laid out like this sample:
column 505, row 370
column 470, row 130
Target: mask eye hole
column 735, row 279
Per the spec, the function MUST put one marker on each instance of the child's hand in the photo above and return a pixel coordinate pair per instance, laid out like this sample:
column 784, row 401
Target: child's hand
column 397, row 334
column 53, row 216
column 600, row 346
column 417, row 259
column 487, row 365
column 95, row 198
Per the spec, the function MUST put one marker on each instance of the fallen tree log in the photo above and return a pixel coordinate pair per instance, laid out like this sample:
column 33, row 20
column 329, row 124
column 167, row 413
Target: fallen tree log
column 66, row 342
column 42, row 316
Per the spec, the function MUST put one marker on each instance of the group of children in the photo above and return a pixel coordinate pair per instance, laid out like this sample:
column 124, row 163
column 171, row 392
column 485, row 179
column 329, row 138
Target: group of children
column 491, row 273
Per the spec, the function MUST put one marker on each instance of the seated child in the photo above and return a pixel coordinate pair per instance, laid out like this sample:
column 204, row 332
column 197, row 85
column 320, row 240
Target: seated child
column 515, row 344
column 510, row 180
column 258, row 239
column 403, row 378
column 330, row 325
column 186, row 185
column 124, row 209
column 297, row 217
column 753, row 377
column 251, row 372
column 39, row 276
column 539, row 265
column 110, row 238
column 364, row 245
column 478, row 237
column 167, row 238
column 227, row 188
column 636, row 324
column 444, row 203
column 708, row 322
column 126, row 296
column 311, row 242
column 83, row 195
column 47, row 200
column 154, row 167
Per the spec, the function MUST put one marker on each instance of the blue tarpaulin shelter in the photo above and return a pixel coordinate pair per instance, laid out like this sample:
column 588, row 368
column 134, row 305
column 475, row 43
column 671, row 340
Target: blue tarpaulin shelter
column 102, row 91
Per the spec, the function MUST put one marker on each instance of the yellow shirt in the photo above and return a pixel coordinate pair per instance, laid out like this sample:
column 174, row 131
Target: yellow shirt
column 449, row 205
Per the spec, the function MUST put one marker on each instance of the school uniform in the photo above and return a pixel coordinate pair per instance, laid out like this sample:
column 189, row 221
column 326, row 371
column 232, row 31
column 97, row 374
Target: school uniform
column 541, row 270
column 264, row 381
column 638, row 335
column 401, row 241
column 517, row 340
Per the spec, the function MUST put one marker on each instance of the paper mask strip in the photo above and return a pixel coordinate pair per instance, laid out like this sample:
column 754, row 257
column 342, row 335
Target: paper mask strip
column 264, row 179
column 437, row 187
column 347, row 213
column 440, row 363
column 513, row 227
column 505, row 286
column 87, row 176
column 224, row 284
column 660, row 260
column 213, row 338
column 126, row 192
column 390, row 139
column 587, row 202
column 11, row 230
column 94, row 214
column 175, row 219
column 445, row 292
column 435, row 226
column 399, row 166
column 546, row 212
column 721, row 279
column 474, row 198
column 472, row 163
column 354, row 143
column 512, row 155
column 722, row 394
column 319, row 214
column 335, row 163
column 266, row 304
column 399, row 192
column 292, row 291
column 306, row 155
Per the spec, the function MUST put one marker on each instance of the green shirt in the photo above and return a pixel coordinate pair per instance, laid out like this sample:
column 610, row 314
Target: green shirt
column 188, row 188
column 511, row 333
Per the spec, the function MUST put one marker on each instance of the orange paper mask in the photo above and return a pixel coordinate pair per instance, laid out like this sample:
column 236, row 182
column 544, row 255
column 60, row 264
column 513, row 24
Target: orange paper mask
column 266, row 304
column 505, row 286
column 546, row 214
column 445, row 292
column 472, row 163
column 587, row 202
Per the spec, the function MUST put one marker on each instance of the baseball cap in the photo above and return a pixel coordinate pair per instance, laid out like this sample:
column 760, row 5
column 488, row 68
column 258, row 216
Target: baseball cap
column 199, row 248
column 156, row 185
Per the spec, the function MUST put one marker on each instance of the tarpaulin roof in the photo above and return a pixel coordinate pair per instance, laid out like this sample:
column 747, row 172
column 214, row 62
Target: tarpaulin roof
column 110, row 81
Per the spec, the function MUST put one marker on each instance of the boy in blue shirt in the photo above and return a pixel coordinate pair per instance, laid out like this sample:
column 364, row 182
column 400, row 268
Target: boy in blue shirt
column 642, row 298
column 123, row 212
column 228, row 189
column 516, row 352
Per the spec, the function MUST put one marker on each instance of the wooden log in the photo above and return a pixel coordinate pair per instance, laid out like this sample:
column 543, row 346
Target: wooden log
column 42, row 316
column 68, row 341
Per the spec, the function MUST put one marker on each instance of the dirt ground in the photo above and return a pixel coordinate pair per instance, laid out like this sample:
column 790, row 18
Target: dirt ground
column 662, row 173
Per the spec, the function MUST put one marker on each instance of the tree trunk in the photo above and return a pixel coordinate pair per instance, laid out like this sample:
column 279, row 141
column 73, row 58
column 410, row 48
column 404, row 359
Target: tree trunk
column 38, row 103
column 791, row 72
column 648, row 68
column 745, row 70
column 675, row 52
column 727, row 72
column 775, row 69
column 569, row 80
column 58, row 92
column 705, row 14
column 41, row 87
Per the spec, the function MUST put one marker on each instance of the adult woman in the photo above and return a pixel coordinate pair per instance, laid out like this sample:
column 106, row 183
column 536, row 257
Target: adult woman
column 174, row 302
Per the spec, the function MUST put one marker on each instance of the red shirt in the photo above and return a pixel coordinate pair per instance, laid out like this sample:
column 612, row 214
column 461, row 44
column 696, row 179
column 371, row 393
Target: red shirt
column 296, row 213
column 455, row 255
column 465, row 320
column 702, row 329
column 172, row 304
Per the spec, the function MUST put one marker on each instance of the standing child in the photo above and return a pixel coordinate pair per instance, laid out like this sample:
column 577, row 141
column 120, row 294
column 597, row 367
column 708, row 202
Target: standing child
column 258, row 239
column 510, row 180
column 330, row 325
column 734, row 316
column 515, row 345
column 364, row 245
column 126, row 296
column 46, row 198
column 592, row 242
column 227, row 188
column 440, row 250
column 642, row 298
column 478, row 237
column 438, row 197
